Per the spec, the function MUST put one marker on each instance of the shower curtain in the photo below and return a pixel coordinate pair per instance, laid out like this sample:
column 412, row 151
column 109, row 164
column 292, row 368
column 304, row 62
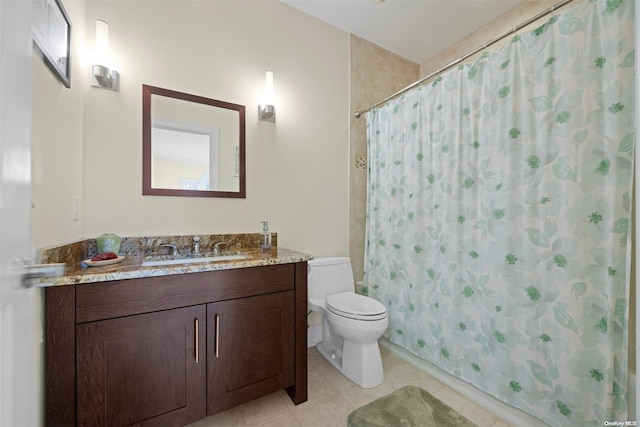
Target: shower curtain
column 498, row 216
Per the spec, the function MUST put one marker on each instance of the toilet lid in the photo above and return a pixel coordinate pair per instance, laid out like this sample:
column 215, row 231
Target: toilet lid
column 355, row 306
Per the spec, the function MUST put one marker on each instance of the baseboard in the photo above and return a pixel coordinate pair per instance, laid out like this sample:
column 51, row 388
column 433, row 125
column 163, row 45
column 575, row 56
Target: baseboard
column 314, row 335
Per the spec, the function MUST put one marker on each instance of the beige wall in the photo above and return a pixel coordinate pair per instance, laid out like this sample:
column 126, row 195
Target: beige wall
column 169, row 173
column 375, row 74
column 489, row 32
column 58, row 143
column 297, row 168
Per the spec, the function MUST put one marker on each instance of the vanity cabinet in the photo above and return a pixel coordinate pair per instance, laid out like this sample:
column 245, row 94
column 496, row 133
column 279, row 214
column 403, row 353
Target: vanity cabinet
column 170, row 350
column 249, row 350
column 146, row 369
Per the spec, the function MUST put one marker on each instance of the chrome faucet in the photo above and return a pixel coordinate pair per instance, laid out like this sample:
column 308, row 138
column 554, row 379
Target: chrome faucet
column 174, row 249
column 196, row 246
column 216, row 248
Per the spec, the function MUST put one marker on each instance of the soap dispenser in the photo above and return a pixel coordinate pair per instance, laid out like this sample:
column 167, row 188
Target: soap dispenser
column 265, row 238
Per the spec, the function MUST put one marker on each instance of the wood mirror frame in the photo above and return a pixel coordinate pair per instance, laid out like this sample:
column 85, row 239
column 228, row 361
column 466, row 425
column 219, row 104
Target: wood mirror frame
column 147, row 155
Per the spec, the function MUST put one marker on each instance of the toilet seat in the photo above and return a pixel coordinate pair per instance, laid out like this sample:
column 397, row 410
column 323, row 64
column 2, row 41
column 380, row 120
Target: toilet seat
column 355, row 306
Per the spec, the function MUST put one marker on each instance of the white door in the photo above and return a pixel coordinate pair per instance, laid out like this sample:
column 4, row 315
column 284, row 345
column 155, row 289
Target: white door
column 20, row 331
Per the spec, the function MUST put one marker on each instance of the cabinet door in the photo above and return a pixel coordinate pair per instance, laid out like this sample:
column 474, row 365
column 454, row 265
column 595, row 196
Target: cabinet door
column 147, row 369
column 250, row 349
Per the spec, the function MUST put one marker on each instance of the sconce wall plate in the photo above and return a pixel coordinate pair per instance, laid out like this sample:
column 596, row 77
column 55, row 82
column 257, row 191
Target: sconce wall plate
column 105, row 78
column 267, row 112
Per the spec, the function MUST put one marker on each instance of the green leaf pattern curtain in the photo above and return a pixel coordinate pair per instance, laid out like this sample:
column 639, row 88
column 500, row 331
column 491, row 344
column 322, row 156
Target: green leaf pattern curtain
column 498, row 216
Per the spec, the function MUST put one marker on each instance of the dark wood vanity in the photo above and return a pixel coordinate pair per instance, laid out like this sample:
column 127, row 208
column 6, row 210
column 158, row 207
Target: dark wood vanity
column 169, row 350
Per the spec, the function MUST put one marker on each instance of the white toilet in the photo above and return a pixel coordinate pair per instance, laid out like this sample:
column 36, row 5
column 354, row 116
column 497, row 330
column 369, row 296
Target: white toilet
column 351, row 323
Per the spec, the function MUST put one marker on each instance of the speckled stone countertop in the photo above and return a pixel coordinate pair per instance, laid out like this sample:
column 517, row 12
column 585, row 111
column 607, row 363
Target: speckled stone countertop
column 76, row 272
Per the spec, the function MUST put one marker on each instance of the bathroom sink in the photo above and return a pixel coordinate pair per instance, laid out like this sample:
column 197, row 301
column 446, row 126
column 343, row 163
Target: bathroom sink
column 155, row 260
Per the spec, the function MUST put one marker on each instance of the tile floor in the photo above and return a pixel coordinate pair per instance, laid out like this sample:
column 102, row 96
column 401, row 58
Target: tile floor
column 332, row 397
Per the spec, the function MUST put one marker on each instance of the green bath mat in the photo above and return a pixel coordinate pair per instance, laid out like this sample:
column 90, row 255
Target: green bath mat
column 407, row 407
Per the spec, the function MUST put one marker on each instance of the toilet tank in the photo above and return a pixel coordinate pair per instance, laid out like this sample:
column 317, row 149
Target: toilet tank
column 327, row 276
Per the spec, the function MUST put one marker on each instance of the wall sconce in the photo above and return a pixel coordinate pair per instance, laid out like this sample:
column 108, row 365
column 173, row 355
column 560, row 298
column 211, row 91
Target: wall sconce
column 267, row 108
column 101, row 75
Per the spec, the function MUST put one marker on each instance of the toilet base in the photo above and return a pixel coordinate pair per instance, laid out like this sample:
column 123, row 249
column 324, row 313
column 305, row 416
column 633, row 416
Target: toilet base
column 360, row 362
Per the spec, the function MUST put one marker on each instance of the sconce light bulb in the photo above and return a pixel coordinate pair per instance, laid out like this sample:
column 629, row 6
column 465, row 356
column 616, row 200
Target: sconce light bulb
column 102, row 43
column 269, row 96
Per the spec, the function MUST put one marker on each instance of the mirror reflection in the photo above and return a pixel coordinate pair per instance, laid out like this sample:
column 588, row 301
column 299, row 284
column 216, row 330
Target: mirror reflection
column 192, row 146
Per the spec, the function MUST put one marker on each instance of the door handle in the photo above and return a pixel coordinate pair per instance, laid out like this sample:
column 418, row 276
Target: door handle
column 197, row 340
column 217, row 334
column 34, row 273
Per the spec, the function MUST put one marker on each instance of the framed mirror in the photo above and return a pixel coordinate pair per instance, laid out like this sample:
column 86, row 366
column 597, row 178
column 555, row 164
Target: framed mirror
column 191, row 146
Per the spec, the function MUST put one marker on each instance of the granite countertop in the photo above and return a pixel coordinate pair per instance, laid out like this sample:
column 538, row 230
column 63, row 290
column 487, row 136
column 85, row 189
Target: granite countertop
column 131, row 268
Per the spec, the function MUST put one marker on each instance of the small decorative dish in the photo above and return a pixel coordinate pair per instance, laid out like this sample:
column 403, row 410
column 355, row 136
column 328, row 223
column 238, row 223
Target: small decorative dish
column 90, row 263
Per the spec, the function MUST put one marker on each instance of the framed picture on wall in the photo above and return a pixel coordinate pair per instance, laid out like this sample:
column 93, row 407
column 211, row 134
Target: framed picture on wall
column 51, row 29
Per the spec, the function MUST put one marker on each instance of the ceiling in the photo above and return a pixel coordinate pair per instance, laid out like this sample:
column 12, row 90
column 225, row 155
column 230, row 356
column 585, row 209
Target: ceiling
column 413, row 29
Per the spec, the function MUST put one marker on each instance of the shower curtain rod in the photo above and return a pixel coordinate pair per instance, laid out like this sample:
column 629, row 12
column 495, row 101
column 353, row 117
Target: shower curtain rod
column 462, row 58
